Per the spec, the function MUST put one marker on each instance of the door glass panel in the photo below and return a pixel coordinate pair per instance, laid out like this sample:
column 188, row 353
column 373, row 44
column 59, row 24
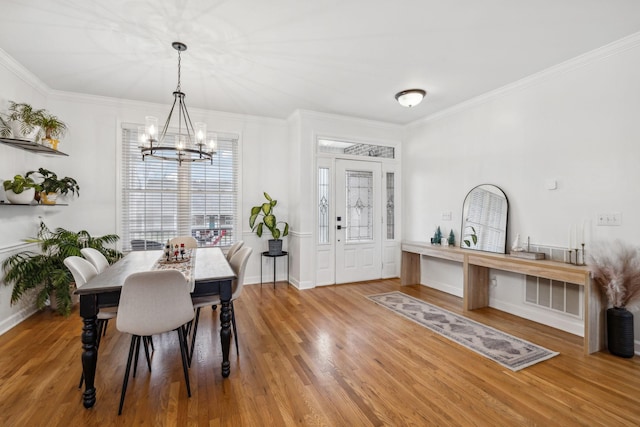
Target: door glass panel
column 323, row 205
column 359, row 206
column 390, row 206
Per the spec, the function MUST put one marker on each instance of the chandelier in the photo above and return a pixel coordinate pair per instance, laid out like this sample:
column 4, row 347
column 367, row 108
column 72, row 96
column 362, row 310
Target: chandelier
column 189, row 144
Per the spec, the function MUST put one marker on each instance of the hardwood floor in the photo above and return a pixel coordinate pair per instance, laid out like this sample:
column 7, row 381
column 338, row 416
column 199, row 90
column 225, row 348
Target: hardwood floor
column 326, row 356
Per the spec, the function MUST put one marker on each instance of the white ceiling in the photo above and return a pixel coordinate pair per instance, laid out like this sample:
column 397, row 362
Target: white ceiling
column 271, row 57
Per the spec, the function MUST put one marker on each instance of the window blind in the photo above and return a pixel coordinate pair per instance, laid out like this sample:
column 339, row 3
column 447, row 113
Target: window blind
column 162, row 199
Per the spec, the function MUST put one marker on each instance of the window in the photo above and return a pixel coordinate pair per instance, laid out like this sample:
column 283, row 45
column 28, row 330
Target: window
column 162, row 200
column 323, row 205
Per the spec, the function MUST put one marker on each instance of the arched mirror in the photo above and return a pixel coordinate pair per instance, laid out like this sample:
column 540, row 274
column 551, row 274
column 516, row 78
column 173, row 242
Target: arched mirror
column 484, row 219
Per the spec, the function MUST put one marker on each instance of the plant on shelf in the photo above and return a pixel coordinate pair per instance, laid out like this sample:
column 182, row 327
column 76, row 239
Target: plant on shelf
column 45, row 272
column 24, row 121
column 21, row 189
column 53, row 127
column 52, row 186
column 5, row 128
column 263, row 216
column 615, row 267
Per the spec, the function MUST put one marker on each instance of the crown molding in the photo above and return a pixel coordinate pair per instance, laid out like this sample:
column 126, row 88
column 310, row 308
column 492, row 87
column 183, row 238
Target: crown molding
column 619, row 46
column 303, row 114
column 23, row 74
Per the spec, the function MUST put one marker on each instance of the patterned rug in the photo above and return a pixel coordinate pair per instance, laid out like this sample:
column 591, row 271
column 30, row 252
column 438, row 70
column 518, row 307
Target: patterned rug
column 507, row 350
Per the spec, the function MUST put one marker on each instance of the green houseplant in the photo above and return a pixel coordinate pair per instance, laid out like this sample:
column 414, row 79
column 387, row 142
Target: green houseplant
column 615, row 267
column 24, row 121
column 45, row 272
column 53, row 128
column 21, row 189
column 262, row 216
column 52, row 186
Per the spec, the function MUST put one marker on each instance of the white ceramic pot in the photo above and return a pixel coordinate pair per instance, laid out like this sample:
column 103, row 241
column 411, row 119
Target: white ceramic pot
column 24, row 198
column 18, row 134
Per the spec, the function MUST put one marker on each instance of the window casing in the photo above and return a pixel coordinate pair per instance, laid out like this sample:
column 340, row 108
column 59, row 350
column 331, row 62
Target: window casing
column 162, row 199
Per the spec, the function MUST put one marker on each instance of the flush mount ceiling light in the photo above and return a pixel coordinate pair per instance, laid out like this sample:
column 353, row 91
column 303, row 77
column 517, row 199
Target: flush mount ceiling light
column 410, row 97
column 189, row 144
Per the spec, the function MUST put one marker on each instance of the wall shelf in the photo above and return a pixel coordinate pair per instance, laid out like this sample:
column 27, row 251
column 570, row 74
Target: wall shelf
column 27, row 145
column 31, row 205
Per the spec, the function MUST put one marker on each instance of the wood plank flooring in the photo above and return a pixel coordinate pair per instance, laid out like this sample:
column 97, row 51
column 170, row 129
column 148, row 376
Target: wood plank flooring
column 326, row 356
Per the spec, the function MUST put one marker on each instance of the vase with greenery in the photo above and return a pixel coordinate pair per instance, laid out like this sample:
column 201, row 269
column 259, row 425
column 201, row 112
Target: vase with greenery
column 52, row 186
column 44, row 271
column 21, row 189
column 615, row 268
column 262, row 216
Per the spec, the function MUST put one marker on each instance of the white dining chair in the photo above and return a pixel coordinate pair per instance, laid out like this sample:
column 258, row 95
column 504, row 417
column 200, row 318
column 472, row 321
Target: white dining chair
column 189, row 242
column 96, row 258
column 238, row 264
column 83, row 271
column 154, row 302
column 234, row 248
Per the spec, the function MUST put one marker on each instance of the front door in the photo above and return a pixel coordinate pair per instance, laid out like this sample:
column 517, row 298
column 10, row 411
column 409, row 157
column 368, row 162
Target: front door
column 358, row 221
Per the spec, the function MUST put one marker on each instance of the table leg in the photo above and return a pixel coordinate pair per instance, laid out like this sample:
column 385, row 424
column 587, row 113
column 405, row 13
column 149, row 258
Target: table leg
column 225, row 326
column 88, row 311
column 274, row 272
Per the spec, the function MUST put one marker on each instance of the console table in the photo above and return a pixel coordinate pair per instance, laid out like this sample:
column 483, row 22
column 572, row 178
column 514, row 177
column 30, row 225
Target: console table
column 476, row 265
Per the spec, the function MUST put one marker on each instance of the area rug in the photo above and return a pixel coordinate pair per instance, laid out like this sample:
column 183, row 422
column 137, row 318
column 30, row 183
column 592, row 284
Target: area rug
column 507, row 350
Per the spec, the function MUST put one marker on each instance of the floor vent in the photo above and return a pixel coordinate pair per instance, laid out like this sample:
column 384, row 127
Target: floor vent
column 555, row 295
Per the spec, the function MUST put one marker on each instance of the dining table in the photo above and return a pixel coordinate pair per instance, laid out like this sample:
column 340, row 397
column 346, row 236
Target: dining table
column 210, row 273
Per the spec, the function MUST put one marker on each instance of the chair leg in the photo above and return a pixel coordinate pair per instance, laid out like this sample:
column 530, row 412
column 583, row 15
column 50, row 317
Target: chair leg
column 135, row 363
column 134, row 340
column 145, row 342
column 193, row 336
column 104, row 328
column 183, row 352
column 235, row 330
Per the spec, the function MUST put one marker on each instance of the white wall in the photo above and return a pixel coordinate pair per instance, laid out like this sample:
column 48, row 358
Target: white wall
column 575, row 123
column 305, row 128
column 92, row 147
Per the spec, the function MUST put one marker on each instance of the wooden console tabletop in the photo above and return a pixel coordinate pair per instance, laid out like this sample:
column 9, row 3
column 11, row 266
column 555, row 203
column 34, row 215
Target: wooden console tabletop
column 476, row 267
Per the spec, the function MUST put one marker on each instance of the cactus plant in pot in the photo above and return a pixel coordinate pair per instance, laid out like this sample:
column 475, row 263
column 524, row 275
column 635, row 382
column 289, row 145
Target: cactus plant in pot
column 262, row 216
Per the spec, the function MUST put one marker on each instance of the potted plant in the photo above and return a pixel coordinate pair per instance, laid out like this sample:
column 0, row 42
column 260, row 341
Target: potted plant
column 263, row 216
column 615, row 267
column 21, row 190
column 52, row 186
column 53, row 128
column 45, row 271
column 24, row 121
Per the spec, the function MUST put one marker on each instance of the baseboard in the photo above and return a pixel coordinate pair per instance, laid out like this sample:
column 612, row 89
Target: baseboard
column 16, row 318
column 547, row 318
column 444, row 287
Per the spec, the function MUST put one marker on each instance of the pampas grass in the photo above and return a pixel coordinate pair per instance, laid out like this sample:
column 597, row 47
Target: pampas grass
column 615, row 267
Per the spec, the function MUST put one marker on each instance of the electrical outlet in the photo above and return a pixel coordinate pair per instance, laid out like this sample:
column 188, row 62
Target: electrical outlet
column 610, row 219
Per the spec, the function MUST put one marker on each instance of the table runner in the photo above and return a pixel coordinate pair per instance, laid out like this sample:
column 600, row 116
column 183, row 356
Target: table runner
column 185, row 266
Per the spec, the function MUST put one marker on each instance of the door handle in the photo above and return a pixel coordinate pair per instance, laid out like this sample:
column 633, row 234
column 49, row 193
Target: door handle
column 339, row 227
